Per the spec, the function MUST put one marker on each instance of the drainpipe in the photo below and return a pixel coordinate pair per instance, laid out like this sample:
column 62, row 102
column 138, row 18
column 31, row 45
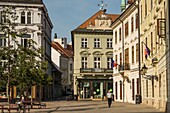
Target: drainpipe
column 123, row 57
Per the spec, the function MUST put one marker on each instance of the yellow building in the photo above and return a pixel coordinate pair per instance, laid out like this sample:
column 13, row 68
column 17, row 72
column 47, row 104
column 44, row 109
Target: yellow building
column 152, row 37
column 93, row 51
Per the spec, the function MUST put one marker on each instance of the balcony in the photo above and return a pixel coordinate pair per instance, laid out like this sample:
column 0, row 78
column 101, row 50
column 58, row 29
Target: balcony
column 124, row 67
column 95, row 70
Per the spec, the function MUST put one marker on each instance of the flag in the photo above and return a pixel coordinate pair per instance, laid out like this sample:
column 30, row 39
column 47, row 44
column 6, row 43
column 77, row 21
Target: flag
column 113, row 63
column 147, row 52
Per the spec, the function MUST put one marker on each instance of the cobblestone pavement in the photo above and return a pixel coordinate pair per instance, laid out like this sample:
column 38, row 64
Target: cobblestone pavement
column 94, row 107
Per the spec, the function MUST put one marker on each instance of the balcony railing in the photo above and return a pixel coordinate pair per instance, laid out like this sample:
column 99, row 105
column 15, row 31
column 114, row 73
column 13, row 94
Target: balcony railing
column 95, row 70
column 125, row 66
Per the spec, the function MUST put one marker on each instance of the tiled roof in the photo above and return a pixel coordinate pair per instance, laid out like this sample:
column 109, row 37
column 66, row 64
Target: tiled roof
column 61, row 50
column 91, row 20
column 24, row 1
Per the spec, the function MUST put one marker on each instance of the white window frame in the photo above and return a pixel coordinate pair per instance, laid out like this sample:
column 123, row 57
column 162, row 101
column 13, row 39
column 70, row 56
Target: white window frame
column 97, row 62
column 28, row 17
column 84, row 62
column 23, row 18
column 23, row 39
column 97, row 43
column 109, row 43
column 84, row 42
column 3, row 42
column 109, row 62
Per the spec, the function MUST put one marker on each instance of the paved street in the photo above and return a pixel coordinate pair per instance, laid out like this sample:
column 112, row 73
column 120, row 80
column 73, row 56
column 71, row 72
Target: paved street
column 93, row 107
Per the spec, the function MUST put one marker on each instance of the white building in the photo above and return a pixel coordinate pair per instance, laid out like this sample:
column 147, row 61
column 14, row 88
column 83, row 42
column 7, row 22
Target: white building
column 33, row 20
column 125, row 41
column 62, row 57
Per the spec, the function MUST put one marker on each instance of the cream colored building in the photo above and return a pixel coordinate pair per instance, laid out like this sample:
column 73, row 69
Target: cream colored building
column 93, row 51
column 125, row 41
column 152, row 24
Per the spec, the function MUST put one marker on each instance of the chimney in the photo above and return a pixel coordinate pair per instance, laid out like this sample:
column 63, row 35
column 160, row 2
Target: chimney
column 55, row 36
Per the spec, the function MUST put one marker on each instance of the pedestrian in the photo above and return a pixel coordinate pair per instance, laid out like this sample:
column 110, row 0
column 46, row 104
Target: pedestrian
column 109, row 98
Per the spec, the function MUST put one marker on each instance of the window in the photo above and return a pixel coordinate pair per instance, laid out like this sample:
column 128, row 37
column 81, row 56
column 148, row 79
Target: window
column 29, row 17
column 109, row 62
column 120, row 34
column 142, row 51
column 116, row 60
column 109, row 43
column 132, row 54
column 23, row 17
column 132, row 24
column 146, row 88
column 137, row 52
column 137, row 20
column 115, row 37
column 2, row 17
column 120, row 58
column 153, row 87
column 145, row 7
column 97, row 62
column 71, row 67
column 84, row 62
column 133, row 89
column 160, row 86
column 116, row 90
column 96, row 43
column 25, row 40
column 2, row 42
column 84, row 42
column 151, row 42
column 126, row 29
column 151, row 4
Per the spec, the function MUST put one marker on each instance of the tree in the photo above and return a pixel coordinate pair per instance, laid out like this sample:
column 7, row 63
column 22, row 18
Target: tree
column 21, row 66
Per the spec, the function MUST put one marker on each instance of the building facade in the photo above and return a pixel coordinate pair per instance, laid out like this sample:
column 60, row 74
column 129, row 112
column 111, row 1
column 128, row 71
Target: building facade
column 62, row 56
column 154, row 52
column 93, row 51
column 33, row 20
column 126, row 55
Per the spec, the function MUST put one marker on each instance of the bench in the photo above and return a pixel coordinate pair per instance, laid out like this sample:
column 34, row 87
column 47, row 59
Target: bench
column 35, row 103
column 39, row 104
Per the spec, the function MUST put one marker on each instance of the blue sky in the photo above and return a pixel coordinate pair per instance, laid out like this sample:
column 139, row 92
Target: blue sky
column 66, row 15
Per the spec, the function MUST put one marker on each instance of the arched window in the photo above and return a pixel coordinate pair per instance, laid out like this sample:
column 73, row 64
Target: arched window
column 23, row 17
column 29, row 17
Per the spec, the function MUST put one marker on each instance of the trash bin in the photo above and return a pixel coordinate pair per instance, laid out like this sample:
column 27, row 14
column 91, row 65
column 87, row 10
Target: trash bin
column 113, row 99
column 138, row 99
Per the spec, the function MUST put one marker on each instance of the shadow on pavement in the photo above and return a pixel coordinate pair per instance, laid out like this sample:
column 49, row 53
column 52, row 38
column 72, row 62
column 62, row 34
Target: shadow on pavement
column 144, row 112
column 81, row 105
column 73, row 110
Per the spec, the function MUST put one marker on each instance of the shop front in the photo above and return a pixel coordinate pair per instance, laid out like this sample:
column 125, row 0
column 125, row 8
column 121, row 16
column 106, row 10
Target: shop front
column 94, row 88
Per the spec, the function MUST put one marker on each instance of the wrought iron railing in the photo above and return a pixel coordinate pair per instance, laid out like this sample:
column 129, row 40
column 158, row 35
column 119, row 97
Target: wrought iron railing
column 125, row 66
column 96, row 70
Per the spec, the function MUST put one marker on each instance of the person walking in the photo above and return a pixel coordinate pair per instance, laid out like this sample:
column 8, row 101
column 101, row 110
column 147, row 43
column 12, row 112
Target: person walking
column 109, row 98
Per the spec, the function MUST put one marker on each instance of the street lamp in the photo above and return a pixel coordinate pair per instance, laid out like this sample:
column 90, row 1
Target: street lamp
column 144, row 70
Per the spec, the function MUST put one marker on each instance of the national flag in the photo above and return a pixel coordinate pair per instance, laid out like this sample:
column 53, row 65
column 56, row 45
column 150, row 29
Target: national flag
column 147, row 52
column 113, row 63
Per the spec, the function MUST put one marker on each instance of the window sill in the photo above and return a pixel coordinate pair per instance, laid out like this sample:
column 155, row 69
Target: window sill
column 97, row 48
column 84, row 47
